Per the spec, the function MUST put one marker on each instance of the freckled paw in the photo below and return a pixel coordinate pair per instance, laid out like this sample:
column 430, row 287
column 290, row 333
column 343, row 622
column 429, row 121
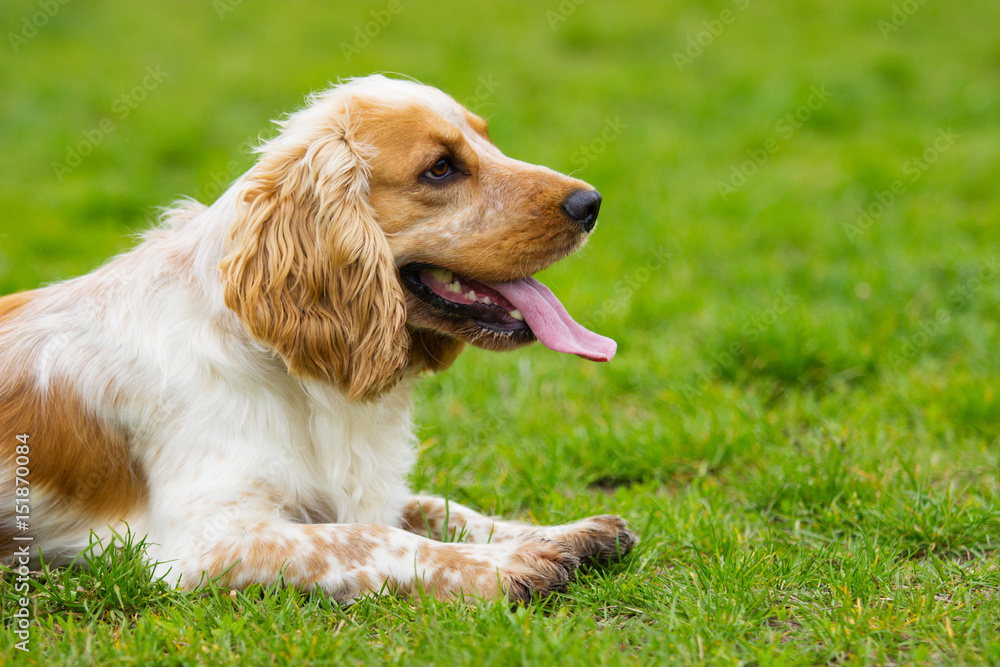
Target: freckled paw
column 538, row 567
column 601, row 539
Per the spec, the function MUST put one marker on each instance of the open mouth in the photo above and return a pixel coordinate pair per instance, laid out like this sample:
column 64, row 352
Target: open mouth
column 463, row 297
column 522, row 310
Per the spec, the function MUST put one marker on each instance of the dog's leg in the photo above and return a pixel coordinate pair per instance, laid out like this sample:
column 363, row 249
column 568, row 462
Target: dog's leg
column 604, row 538
column 352, row 560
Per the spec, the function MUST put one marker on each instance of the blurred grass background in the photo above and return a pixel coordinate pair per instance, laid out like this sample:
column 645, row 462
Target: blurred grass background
column 806, row 357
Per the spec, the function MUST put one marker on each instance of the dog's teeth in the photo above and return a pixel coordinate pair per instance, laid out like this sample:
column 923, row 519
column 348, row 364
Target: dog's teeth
column 487, row 300
column 455, row 287
column 471, row 294
column 516, row 314
column 441, row 275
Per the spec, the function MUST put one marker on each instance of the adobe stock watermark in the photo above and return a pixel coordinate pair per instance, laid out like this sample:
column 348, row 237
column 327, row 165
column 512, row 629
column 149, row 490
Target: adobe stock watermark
column 901, row 13
column 5, row 262
column 914, row 168
column 753, row 328
column 562, row 12
column 22, row 539
column 626, row 288
column 488, row 425
column 365, row 33
column 218, row 182
column 486, row 85
column 112, row 279
column 32, row 23
column 697, row 42
column 930, row 328
column 784, row 129
column 223, row 7
column 121, row 108
column 610, row 133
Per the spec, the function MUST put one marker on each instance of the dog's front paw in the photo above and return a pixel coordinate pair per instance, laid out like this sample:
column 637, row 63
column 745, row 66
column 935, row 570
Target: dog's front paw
column 603, row 539
column 537, row 566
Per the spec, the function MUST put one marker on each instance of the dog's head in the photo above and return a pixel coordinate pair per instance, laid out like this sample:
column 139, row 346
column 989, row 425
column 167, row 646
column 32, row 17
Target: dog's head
column 383, row 229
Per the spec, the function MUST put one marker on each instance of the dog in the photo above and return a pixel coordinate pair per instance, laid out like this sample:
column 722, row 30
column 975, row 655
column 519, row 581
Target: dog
column 237, row 387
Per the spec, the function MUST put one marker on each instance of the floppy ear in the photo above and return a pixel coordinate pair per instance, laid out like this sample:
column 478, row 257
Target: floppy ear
column 310, row 272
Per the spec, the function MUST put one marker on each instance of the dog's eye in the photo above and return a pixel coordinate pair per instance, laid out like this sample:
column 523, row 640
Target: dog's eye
column 441, row 170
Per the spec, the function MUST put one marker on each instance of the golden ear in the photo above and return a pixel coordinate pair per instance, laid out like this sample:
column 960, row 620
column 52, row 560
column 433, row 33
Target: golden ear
column 311, row 273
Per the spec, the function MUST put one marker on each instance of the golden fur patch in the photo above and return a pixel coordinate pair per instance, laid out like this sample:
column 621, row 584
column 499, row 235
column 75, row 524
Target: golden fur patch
column 80, row 465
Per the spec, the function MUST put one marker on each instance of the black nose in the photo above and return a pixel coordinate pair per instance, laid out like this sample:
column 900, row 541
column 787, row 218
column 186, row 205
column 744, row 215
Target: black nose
column 583, row 206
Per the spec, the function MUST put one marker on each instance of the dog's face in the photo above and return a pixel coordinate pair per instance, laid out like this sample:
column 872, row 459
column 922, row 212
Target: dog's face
column 383, row 229
column 456, row 210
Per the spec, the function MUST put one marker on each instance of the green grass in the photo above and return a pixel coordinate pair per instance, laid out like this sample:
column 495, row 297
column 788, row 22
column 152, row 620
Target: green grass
column 803, row 420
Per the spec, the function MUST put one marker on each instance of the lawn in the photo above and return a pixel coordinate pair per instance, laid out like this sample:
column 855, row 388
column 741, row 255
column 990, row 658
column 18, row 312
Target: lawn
column 797, row 254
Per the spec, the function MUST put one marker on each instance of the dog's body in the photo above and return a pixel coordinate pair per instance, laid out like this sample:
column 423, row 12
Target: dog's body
column 238, row 386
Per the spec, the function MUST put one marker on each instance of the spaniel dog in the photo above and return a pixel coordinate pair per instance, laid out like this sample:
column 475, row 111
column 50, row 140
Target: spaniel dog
column 237, row 388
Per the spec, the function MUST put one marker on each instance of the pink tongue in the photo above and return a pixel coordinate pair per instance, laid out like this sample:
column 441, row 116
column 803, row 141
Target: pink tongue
column 551, row 323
